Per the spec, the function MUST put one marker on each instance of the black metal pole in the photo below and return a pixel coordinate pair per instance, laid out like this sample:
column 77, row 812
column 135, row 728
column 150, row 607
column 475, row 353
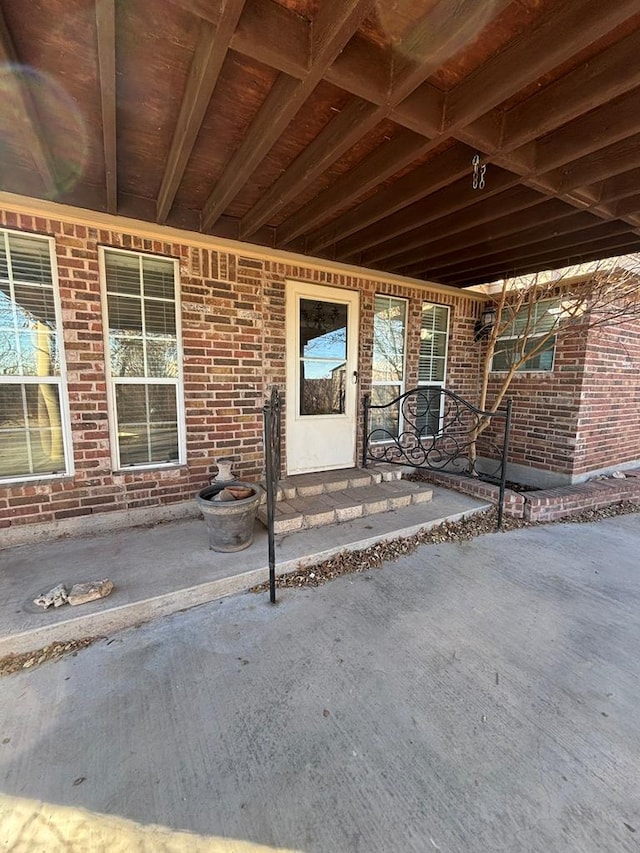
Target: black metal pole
column 505, row 451
column 366, row 401
column 269, row 478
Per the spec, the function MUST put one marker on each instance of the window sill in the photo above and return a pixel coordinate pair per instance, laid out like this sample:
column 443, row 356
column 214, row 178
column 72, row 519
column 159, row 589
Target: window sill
column 155, row 466
column 35, row 479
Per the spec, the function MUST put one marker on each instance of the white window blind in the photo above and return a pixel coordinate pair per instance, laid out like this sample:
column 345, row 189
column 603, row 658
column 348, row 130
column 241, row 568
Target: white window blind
column 35, row 437
column 144, row 366
column 529, row 325
column 432, row 366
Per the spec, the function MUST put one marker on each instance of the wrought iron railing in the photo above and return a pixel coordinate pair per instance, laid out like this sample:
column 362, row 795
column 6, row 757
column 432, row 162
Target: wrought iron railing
column 272, row 453
column 434, row 429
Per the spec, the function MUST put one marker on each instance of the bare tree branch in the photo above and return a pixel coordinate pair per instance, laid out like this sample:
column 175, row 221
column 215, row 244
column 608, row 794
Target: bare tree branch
column 602, row 295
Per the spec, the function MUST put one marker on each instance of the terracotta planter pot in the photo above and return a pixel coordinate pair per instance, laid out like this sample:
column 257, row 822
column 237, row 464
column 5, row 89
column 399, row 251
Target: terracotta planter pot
column 230, row 522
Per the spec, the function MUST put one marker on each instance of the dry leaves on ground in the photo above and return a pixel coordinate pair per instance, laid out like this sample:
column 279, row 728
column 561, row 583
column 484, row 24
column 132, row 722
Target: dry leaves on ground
column 349, row 562
column 55, row 651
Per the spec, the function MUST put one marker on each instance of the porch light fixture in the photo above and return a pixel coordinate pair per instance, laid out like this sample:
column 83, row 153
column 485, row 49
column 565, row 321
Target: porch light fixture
column 485, row 324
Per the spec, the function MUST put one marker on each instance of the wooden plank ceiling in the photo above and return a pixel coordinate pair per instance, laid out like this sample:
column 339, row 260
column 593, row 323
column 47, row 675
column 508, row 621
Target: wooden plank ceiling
column 344, row 129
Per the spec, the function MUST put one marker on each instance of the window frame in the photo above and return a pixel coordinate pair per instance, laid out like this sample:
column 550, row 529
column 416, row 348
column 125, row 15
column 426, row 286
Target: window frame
column 553, row 302
column 387, row 384
column 113, row 382
column 436, row 383
column 60, row 381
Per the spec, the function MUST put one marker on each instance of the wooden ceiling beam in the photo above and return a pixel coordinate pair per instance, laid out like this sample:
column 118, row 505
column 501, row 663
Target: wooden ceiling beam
column 435, row 38
column 533, row 53
column 361, row 179
column 17, row 98
column 106, row 34
column 431, row 40
column 455, row 197
column 421, row 111
column 211, row 50
column 548, row 186
column 601, row 164
column 363, row 69
column 507, row 225
column 354, row 121
column 204, row 9
column 612, row 73
column 383, row 163
column 563, row 221
column 530, row 267
column 551, row 261
column 275, row 36
column 484, row 133
column 555, row 184
column 598, row 235
column 590, row 132
column 387, row 159
column 334, row 26
column 627, row 206
column 281, row 39
column 617, row 187
column 437, row 173
column 454, row 229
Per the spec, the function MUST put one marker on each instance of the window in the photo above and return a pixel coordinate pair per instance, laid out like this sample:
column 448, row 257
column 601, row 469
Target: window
column 144, row 367
column 34, row 418
column 323, row 357
column 432, row 366
column 531, row 325
column 389, row 327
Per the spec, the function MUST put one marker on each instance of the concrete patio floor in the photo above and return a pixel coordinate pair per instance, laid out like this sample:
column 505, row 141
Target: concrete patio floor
column 471, row 697
column 160, row 569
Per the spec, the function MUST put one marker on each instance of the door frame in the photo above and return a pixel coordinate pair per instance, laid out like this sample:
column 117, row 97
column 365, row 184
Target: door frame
column 294, row 290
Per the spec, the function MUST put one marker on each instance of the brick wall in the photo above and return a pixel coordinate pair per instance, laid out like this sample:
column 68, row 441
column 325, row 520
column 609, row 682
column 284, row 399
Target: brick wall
column 233, row 334
column 584, row 415
column 545, row 410
column 608, row 428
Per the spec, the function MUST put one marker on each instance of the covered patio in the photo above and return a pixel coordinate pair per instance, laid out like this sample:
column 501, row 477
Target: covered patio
column 200, row 201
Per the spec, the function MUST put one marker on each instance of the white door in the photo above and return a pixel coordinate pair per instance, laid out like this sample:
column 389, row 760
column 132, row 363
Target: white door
column 322, row 378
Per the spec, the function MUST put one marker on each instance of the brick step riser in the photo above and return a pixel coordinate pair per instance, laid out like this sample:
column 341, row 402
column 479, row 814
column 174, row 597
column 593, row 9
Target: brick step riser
column 325, row 515
column 287, row 491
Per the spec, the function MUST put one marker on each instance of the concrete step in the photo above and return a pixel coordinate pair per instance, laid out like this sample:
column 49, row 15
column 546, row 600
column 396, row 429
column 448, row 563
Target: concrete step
column 323, row 482
column 341, row 498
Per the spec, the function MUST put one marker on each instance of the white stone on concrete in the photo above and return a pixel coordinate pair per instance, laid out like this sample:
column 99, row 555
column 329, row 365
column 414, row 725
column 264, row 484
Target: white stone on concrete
column 56, row 597
column 83, row 593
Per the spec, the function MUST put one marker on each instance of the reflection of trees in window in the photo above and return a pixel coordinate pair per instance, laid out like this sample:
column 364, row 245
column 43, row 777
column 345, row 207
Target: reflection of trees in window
column 324, row 395
column 388, row 339
column 329, row 342
column 31, row 436
column 323, row 353
column 133, row 356
column 389, row 325
column 523, row 335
